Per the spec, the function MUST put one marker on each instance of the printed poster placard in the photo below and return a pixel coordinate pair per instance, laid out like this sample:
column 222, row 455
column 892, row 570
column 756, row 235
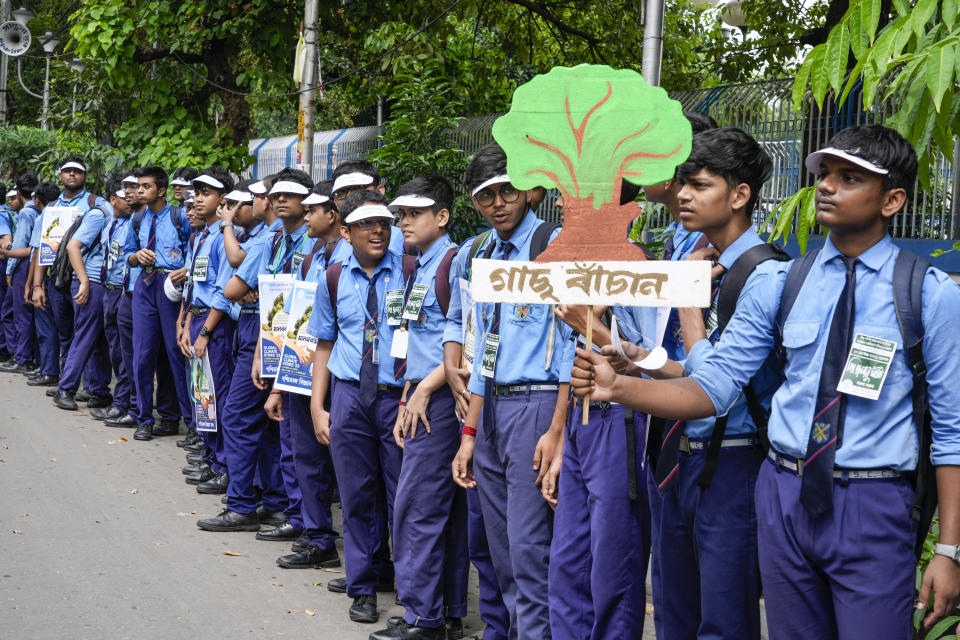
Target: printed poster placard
column 53, row 225
column 296, row 359
column 202, row 394
column 468, row 327
column 274, row 291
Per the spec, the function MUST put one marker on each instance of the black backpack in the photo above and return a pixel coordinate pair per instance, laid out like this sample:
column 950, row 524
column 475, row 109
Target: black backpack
column 61, row 271
column 908, row 273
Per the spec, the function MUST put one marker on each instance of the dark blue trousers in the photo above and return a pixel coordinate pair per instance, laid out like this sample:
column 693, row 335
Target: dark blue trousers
column 8, row 329
column 47, row 336
column 166, row 403
column 88, row 349
column 598, row 558
column 430, row 521
column 848, row 575
column 490, row 600
column 27, row 349
column 314, row 469
column 363, row 448
column 655, row 503
column 708, row 549
column 123, row 387
column 220, row 352
column 288, row 471
column 518, row 520
column 155, row 332
column 251, row 442
column 62, row 307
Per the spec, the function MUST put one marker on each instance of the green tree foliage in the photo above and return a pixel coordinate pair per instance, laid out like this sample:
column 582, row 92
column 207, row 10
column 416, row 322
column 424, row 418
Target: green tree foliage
column 19, row 145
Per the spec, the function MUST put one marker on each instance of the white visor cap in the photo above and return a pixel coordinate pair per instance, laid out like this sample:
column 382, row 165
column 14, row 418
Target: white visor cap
column 314, row 198
column 494, row 180
column 412, row 200
column 368, row 211
column 814, row 159
column 72, row 165
column 288, row 186
column 355, row 179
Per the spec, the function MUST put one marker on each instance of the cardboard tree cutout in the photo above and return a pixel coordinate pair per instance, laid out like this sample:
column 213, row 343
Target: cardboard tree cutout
column 583, row 130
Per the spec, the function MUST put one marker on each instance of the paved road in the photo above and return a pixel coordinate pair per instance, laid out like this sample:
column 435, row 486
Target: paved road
column 98, row 540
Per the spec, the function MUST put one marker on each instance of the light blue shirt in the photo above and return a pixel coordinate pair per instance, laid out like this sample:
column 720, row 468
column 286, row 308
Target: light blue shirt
column 88, row 234
column 282, row 256
column 205, row 292
column 535, row 346
column 453, row 331
column 170, row 242
column 396, row 240
column 26, row 220
column 6, row 221
column 249, row 269
column 112, row 239
column 341, row 251
column 877, row 433
column 425, row 345
column 255, row 238
column 347, row 327
column 765, row 381
column 683, row 241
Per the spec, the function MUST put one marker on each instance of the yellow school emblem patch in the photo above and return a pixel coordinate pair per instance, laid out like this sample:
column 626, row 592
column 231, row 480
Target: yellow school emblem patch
column 821, row 432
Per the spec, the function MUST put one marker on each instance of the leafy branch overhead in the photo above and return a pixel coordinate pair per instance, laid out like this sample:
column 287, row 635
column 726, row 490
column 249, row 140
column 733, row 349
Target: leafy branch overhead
column 583, row 130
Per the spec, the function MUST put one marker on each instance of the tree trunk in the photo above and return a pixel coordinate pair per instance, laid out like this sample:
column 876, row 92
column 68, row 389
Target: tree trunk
column 236, row 111
column 590, row 234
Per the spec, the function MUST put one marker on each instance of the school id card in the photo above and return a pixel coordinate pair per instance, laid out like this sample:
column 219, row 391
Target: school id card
column 868, row 364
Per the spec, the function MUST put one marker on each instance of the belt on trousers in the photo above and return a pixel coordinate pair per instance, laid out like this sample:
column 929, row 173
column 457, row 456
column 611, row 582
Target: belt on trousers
column 91, row 279
column 380, row 387
column 247, row 312
column 111, row 287
column 689, row 446
column 517, row 389
column 199, row 311
column 149, row 270
column 795, row 467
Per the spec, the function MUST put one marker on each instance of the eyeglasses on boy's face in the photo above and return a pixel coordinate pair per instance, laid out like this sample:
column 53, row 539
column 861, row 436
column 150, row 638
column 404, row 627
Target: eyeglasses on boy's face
column 369, row 223
column 341, row 194
column 507, row 192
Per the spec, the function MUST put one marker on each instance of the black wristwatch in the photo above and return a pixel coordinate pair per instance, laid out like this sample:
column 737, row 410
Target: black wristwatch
column 205, row 332
column 224, row 225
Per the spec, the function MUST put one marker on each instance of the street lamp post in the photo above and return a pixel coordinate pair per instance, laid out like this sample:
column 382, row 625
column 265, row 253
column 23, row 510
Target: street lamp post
column 78, row 66
column 49, row 42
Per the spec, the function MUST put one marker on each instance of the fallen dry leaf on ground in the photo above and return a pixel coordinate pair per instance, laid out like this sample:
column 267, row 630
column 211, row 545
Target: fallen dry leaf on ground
column 111, row 442
column 308, row 612
column 53, row 459
column 333, row 570
column 123, row 440
column 134, row 491
column 17, row 531
column 235, row 554
column 194, row 512
column 277, row 584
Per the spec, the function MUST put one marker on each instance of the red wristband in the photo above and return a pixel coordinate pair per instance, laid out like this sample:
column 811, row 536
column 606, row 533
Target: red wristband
column 403, row 403
column 469, row 431
column 273, row 392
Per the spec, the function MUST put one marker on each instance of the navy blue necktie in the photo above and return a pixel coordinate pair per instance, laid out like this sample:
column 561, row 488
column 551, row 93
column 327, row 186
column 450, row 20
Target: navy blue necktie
column 816, row 489
column 507, row 249
column 400, row 364
column 368, row 368
column 668, row 248
column 106, row 252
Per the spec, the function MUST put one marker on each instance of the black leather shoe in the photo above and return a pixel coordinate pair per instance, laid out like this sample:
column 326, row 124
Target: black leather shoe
column 200, row 478
column 215, row 485
column 364, row 609
column 65, row 400
column 51, row 392
column 283, row 533
column 99, row 402
column 126, row 421
column 300, row 543
column 454, row 627
column 271, row 518
column 110, row 412
column 167, row 428
column 339, row 585
column 143, row 432
column 35, row 370
column 402, row 631
column 82, row 395
column 192, row 437
column 45, row 381
column 230, row 521
column 196, row 447
column 194, row 458
column 14, row 367
column 313, row 557
column 194, row 468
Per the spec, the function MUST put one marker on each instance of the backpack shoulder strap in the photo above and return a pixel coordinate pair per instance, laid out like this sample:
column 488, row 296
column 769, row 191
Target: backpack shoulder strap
column 796, row 275
column 441, row 283
column 91, row 200
column 476, row 246
column 305, row 265
column 333, row 285
column 409, row 263
column 541, row 238
column 737, row 277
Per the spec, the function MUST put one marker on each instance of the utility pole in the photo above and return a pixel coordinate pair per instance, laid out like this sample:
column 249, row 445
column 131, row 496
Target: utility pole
column 308, row 97
column 4, row 66
column 652, row 41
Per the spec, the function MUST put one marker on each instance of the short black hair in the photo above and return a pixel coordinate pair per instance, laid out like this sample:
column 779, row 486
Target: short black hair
column 700, row 121
column 186, row 173
column 74, row 158
column 293, row 175
column 357, row 198
column 489, row 162
column 3, row 190
column 114, row 184
column 357, row 165
column 46, row 192
column 732, row 154
column 434, row 187
column 26, row 183
column 325, row 188
column 882, row 146
column 218, row 173
column 158, row 174
column 244, row 185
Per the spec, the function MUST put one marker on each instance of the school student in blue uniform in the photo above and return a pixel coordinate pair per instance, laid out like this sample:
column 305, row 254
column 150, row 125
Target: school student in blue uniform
column 48, row 339
column 354, row 338
column 252, row 442
column 359, row 174
column 8, row 330
column 88, row 350
column 204, row 323
column 27, row 354
column 181, row 183
column 112, row 276
column 311, row 459
column 430, row 516
column 158, row 249
column 833, row 502
column 514, row 425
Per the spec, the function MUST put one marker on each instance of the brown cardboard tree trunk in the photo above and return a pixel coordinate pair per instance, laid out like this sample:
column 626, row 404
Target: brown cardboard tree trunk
column 591, row 232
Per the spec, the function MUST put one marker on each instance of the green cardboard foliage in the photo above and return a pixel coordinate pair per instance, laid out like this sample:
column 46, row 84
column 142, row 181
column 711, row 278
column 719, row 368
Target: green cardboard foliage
column 583, row 130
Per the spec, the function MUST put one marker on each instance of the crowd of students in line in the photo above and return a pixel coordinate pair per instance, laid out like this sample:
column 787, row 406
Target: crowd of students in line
column 453, row 434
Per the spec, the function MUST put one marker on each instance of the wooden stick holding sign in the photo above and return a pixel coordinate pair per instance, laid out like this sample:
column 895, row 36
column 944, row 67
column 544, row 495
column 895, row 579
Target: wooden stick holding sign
column 589, row 337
